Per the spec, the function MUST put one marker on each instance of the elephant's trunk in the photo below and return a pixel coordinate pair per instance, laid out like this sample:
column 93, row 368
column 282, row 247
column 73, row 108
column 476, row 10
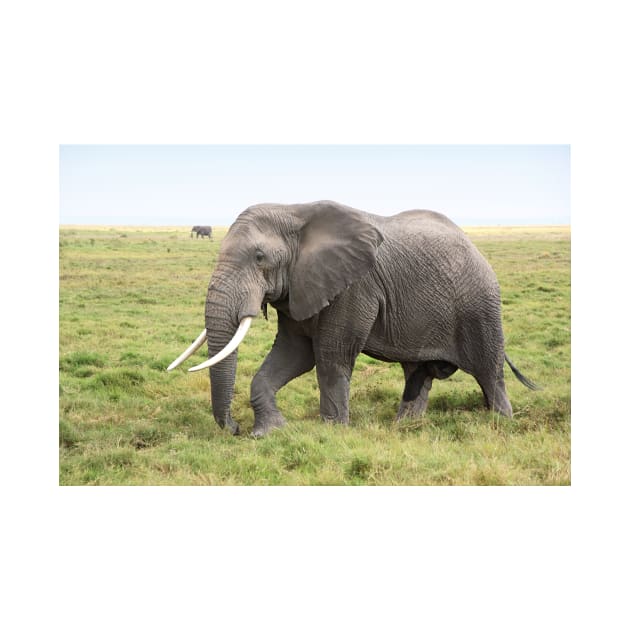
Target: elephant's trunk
column 229, row 312
column 222, row 378
column 220, row 331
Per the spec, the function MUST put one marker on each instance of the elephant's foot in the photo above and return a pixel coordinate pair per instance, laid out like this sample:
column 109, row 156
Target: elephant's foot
column 501, row 403
column 411, row 409
column 262, row 426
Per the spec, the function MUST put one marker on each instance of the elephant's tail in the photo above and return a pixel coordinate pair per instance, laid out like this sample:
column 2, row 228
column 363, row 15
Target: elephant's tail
column 520, row 376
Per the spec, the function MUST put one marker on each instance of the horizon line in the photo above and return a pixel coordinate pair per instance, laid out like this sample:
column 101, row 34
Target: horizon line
column 184, row 225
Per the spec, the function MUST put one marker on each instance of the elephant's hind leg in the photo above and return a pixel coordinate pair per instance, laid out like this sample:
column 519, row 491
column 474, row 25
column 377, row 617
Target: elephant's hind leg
column 418, row 381
column 415, row 397
column 495, row 394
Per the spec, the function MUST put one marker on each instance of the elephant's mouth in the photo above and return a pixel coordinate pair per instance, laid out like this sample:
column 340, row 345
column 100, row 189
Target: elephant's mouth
column 239, row 335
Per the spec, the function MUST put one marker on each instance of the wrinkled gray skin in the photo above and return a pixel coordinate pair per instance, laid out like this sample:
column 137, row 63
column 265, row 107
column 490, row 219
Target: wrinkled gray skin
column 410, row 288
column 202, row 230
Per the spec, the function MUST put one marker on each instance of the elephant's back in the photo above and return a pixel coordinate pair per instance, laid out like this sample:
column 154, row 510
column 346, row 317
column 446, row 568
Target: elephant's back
column 431, row 240
column 428, row 260
column 427, row 217
column 417, row 223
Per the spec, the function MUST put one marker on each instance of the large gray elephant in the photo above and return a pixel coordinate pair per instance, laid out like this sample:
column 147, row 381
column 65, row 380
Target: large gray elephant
column 201, row 230
column 409, row 288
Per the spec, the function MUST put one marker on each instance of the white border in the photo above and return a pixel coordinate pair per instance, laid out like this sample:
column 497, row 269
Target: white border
column 349, row 73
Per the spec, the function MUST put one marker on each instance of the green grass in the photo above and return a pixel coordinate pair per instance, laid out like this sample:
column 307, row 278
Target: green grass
column 131, row 299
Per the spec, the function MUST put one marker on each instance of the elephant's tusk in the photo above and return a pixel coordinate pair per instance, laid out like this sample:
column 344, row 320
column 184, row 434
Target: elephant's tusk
column 238, row 337
column 196, row 344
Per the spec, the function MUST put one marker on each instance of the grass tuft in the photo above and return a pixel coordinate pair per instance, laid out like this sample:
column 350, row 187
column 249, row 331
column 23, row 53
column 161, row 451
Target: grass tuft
column 75, row 359
column 118, row 378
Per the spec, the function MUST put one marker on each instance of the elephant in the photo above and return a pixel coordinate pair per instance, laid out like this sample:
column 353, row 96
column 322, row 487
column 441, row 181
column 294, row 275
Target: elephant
column 409, row 288
column 202, row 230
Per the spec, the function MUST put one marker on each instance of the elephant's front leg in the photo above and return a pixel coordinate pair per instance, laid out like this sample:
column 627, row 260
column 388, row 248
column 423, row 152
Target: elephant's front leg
column 334, row 391
column 290, row 356
column 342, row 332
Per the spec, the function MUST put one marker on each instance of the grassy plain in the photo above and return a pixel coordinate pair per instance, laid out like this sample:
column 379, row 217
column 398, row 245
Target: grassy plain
column 131, row 299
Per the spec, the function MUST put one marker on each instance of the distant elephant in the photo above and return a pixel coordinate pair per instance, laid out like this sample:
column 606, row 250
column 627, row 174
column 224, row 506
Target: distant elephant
column 410, row 288
column 202, row 230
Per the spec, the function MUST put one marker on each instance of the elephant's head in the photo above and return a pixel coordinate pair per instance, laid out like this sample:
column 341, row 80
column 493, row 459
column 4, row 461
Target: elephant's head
column 303, row 255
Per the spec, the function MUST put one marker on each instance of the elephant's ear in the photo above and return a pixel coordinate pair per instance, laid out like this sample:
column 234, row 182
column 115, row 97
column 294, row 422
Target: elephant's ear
column 337, row 246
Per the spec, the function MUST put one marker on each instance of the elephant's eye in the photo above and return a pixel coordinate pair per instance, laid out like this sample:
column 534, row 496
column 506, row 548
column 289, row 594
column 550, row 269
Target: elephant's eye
column 259, row 256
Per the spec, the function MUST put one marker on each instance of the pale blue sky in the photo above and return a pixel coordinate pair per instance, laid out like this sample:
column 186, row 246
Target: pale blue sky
column 212, row 184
